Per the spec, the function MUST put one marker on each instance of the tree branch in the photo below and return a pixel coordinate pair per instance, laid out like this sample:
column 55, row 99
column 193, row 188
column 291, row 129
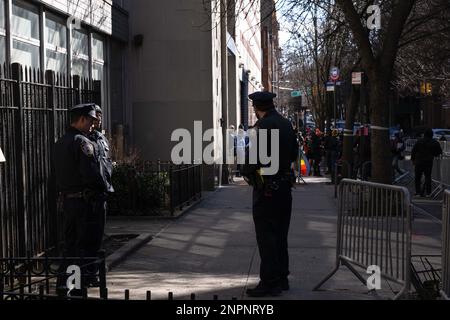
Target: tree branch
column 359, row 33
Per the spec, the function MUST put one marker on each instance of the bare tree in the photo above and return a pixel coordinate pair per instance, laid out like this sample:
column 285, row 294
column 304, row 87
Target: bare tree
column 404, row 24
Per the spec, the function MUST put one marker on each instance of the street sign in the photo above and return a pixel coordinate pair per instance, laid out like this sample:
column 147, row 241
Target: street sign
column 334, row 74
column 2, row 157
column 357, row 78
column 334, row 83
column 330, row 86
column 296, row 94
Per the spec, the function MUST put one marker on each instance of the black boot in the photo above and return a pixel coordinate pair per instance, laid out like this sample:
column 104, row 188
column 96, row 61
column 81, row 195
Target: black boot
column 285, row 284
column 263, row 290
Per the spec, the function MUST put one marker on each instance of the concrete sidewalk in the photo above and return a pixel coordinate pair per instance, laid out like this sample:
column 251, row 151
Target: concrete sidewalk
column 212, row 250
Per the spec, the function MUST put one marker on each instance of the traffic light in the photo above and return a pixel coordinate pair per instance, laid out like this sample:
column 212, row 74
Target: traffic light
column 426, row 88
column 429, row 89
column 423, row 88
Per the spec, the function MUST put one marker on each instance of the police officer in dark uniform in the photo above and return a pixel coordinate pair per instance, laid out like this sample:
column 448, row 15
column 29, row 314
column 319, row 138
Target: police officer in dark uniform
column 79, row 181
column 96, row 225
column 272, row 199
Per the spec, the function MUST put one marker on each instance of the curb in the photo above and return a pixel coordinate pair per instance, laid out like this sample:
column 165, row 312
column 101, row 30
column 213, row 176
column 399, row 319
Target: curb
column 176, row 215
column 127, row 249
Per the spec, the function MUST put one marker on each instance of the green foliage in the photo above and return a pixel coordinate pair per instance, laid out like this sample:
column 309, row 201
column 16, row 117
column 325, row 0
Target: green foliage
column 138, row 192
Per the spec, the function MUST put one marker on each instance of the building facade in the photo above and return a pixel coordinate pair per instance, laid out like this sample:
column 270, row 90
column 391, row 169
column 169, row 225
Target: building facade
column 190, row 62
column 163, row 65
column 70, row 37
column 270, row 46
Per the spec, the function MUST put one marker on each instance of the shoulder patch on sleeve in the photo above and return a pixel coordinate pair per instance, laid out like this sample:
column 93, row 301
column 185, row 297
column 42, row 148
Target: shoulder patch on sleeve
column 87, row 148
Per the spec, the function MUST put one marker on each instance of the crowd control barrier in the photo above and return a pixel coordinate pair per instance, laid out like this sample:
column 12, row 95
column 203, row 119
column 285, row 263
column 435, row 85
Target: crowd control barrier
column 374, row 229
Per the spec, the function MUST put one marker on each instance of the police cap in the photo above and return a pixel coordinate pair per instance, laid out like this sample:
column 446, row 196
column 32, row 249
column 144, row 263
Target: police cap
column 87, row 110
column 263, row 100
column 98, row 109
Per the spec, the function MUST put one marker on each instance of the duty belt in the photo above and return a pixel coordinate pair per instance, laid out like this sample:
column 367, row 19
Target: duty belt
column 77, row 195
column 86, row 194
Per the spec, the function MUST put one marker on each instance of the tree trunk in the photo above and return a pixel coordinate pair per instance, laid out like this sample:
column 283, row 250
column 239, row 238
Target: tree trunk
column 380, row 150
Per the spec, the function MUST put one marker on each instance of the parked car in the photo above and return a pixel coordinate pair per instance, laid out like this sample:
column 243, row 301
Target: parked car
column 438, row 133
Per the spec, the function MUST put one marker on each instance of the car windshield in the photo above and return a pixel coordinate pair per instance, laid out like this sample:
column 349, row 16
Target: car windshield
column 442, row 132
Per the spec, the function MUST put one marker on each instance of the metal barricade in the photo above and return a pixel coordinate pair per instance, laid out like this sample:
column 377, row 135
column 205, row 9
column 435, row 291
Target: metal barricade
column 374, row 229
column 440, row 176
column 339, row 173
column 445, row 145
column 409, row 145
column 445, row 293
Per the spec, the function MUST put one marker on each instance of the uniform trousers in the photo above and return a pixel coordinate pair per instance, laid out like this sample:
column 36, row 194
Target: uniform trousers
column 272, row 215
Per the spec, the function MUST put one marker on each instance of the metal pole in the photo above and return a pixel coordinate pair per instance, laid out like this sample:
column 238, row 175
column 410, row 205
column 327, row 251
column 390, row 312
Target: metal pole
column 223, row 178
column 335, row 106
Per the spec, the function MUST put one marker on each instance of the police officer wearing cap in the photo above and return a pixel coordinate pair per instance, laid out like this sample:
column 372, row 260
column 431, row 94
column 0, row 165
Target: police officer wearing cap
column 97, row 224
column 79, row 181
column 272, row 200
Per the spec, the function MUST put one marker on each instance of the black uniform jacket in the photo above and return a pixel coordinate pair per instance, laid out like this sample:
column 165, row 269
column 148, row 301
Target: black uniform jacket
column 288, row 150
column 77, row 165
column 104, row 158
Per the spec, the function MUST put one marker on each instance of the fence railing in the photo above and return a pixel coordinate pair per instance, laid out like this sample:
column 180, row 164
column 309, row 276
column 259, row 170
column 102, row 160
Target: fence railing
column 155, row 188
column 33, row 115
column 445, row 148
column 374, row 229
column 45, row 277
column 446, row 246
column 440, row 176
column 185, row 185
column 409, row 145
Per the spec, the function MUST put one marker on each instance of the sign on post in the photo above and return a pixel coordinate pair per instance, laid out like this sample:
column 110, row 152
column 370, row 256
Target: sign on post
column 334, row 74
column 357, row 78
column 330, row 86
column 2, row 157
column 296, row 94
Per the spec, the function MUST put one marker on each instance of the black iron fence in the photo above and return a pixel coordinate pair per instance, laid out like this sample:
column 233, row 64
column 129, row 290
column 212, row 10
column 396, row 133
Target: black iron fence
column 154, row 188
column 38, row 278
column 33, row 115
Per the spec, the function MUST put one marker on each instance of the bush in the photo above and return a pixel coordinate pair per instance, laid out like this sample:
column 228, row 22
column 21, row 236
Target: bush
column 138, row 192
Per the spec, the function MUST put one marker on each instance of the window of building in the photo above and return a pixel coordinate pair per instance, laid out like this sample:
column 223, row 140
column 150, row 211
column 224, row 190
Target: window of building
column 2, row 32
column 2, row 50
column 98, row 49
column 98, row 58
column 98, row 64
column 56, row 44
column 80, row 53
column 2, row 14
column 25, row 34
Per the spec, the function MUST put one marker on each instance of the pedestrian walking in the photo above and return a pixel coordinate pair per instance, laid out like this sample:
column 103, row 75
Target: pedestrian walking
column 242, row 141
column 316, row 152
column 422, row 156
column 397, row 149
column 272, row 200
column 80, row 181
column 331, row 145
